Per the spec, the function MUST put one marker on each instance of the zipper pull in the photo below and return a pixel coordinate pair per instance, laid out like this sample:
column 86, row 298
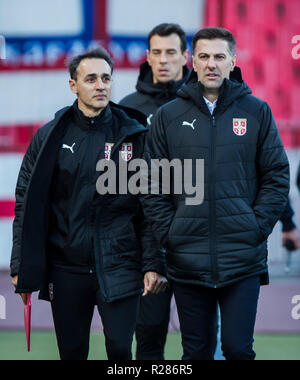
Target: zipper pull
column 213, row 121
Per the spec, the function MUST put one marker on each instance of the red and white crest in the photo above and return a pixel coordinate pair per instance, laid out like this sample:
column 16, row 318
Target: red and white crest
column 108, row 149
column 240, row 126
column 127, row 151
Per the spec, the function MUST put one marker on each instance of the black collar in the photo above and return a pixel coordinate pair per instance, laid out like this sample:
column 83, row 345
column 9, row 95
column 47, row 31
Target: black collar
column 94, row 123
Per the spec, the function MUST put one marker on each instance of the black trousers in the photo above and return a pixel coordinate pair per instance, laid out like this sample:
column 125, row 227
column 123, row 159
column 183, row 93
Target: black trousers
column 152, row 326
column 197, row 311
column 75, row 297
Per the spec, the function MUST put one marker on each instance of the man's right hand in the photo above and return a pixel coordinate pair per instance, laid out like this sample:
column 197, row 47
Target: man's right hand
column 23, row 295
column 292, row 237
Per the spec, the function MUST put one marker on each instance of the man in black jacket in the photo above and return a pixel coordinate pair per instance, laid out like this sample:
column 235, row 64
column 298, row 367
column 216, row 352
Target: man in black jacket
column 164, row 72
column 160, row 78
column 80, row 248
column 217, row 250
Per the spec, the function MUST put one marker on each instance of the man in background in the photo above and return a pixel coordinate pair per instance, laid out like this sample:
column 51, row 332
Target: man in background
column 161, row 76
column 164, row 72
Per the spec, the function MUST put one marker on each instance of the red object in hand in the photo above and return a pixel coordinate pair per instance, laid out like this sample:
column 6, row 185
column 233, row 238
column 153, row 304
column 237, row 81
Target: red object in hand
column 27, row 320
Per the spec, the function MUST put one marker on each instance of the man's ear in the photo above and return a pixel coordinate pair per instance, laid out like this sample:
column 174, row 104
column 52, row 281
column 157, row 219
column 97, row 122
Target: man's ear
column 233, row 62
column 148, row 56
column 194, row 66
column 73, row 86
column 186, row 57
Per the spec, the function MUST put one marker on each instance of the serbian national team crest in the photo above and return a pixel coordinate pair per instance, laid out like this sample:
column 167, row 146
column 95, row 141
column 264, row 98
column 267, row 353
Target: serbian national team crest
column 108, row 149
column 240, row 126
column 127, row 151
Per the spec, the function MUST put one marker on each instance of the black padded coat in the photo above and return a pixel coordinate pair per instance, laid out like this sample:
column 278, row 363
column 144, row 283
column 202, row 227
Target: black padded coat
column 124, row 244
column 246, row 185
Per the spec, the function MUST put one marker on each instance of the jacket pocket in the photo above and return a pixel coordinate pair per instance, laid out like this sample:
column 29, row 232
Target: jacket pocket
column 260, row 235
column 124, row 244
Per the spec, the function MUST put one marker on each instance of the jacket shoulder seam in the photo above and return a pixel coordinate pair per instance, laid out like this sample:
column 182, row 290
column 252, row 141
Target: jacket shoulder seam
column 165, row 109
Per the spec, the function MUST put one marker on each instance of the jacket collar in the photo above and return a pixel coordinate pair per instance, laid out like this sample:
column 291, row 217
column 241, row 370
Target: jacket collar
column 131, row 121
column 160, row 91
column 92, row 123
column 231, row 90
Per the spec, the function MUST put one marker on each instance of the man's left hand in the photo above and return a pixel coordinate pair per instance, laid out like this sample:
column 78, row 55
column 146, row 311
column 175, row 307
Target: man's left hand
column 154, row 283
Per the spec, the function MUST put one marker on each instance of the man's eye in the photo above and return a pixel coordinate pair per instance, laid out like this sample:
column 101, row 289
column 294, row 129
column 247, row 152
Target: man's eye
column 106, row 79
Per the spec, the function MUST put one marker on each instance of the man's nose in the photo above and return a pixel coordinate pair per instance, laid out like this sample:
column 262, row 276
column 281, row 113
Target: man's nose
column 211, row 63
column 100, row 85
column 163, row 57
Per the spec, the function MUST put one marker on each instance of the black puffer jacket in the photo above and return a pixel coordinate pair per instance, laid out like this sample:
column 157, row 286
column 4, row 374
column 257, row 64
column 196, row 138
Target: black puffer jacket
column 246, row 185
column 149, row 96
column 124, row 247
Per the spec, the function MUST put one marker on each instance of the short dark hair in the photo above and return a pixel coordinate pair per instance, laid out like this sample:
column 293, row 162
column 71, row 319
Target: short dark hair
column 165, row 30
column 215, row 33
column 99, row 53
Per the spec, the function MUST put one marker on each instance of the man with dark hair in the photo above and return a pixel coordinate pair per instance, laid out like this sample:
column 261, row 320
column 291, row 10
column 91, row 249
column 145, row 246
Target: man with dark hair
column 160, row 77
column 213, row 34
column 163, row 73
column 99, row 53
column 217, row 250
column 165, row 30
column 80, row 248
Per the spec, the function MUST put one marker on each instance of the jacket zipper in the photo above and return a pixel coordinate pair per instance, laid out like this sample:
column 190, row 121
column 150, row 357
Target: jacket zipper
column 99, row 265
column 212, row 207
column 90, row 235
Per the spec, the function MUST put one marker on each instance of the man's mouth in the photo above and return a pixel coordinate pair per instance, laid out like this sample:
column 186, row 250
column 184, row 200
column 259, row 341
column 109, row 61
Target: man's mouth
column 100, row 96
column 212, row 76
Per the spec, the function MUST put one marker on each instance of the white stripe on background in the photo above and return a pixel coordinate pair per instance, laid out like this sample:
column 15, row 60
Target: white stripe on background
column 136, row 17
column 9, row 170
column 34, row 97
column 5, row 242
column 41, row 18
column 124, row 83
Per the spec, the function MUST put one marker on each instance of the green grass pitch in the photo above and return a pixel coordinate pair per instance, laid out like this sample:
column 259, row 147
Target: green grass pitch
column 43, row 346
